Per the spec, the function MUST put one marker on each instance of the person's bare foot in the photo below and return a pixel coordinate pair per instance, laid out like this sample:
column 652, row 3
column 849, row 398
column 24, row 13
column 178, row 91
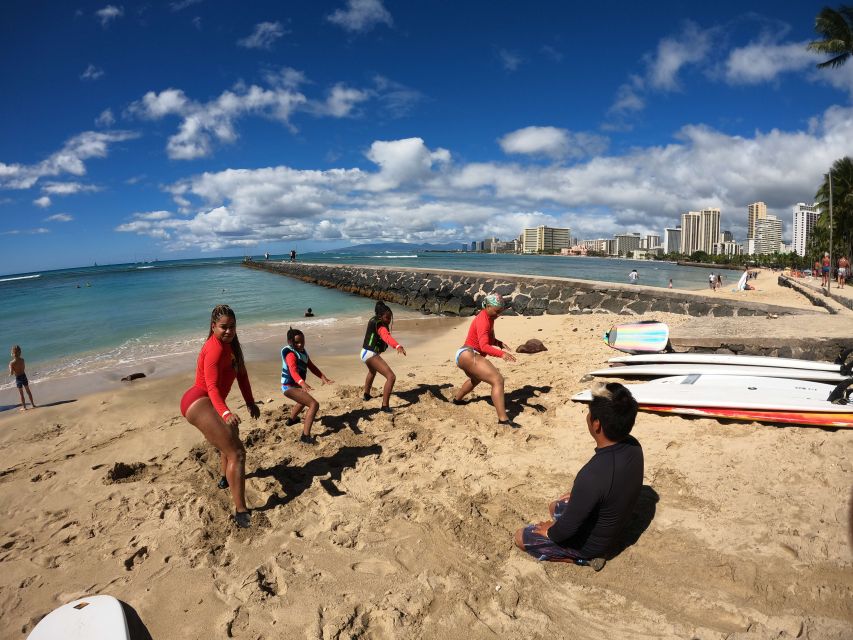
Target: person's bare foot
column 22, row 409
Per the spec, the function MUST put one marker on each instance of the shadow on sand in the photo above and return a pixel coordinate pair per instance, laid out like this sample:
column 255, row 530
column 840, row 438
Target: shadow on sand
column 9, row 407
column 411, row 396
column 137, row 629
column 518, row 398
column 295, row 480
column 641, row 518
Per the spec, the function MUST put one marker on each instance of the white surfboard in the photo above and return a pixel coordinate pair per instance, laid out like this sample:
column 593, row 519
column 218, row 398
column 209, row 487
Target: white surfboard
column 92, row 618
column 719, row 358
column 741, row 283
column 734, row 392
column 661, row 370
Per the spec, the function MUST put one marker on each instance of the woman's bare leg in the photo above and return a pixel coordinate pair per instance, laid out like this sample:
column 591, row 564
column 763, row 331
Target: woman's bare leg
column 303, row 398
column 377, row 365
column 477, row 367
column 368, row 380
column 226, row 438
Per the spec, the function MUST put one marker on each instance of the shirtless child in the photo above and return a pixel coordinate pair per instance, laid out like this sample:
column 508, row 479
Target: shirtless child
column 16, row 368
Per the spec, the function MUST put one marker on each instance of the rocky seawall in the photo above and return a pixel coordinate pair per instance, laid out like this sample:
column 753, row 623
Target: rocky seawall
column 460, row 293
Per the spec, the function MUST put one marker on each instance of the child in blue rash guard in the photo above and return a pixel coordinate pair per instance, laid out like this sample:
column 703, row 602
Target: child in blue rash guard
column 295, row 365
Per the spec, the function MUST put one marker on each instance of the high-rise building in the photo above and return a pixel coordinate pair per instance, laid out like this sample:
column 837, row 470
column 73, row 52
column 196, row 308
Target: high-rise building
column 690, row 237
column 626, row 243
column 544, row 239
column 671, row 239
column 726, row 236
column 768, row 235
column 805, row 217
column 473, row 245
column 709, row 229
column 727, row 248
column 754, row 212
column 652, row 241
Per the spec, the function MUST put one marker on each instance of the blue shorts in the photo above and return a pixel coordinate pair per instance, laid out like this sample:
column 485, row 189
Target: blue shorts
column 543, row 548
column 21, row 381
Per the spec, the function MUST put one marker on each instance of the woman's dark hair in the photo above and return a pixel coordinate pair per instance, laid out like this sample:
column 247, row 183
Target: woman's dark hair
column 292, row 333
column 381, row 309
column 224, row 310
column 615, row 409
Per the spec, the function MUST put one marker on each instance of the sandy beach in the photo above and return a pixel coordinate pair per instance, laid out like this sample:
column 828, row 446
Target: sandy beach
column 401, row 526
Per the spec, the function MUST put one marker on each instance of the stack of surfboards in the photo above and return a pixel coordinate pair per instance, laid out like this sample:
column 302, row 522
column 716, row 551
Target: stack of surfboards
column 753, row 388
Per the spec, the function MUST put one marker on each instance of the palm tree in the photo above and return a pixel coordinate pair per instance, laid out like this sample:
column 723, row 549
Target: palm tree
column 842, row 212
column 836, row 27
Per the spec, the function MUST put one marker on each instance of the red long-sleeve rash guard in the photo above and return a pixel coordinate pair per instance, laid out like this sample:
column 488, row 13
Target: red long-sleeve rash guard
column 290, row 359
column 386, row 337
column 215, row 374
column 481, row 335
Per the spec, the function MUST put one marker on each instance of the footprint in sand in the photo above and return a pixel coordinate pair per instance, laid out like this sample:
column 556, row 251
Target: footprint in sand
column 380, row 568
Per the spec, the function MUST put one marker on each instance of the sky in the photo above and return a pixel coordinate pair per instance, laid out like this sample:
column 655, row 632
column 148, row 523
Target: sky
column 189, row 128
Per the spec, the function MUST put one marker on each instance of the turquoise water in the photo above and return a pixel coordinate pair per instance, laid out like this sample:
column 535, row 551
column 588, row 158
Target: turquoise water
column 97, row 318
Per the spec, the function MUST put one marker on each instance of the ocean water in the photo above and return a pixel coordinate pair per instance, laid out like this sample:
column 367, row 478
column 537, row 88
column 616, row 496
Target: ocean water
column 119, row 317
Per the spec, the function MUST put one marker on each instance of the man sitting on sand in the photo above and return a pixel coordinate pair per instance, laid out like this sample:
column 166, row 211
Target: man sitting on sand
column 587, row 521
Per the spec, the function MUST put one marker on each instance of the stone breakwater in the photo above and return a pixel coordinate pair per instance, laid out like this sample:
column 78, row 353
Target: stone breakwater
column 460, row 293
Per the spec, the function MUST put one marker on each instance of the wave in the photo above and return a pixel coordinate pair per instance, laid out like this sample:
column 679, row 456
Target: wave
column 408, row 256
column 38, row 275
column 148, row 267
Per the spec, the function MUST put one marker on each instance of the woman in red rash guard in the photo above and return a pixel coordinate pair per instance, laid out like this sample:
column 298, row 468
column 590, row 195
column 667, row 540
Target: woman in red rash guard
column 203, row 405
column 471, row 357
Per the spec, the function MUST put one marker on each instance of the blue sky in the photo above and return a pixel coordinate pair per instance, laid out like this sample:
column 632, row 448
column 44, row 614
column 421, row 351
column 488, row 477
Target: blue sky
column 184, row 128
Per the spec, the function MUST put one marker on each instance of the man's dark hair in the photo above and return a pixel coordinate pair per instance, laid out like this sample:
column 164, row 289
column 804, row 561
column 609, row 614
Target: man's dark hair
column 292, row 333
column 615, row 408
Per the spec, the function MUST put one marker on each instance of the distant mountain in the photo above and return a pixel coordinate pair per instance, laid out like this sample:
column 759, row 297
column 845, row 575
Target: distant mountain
column 395, row 247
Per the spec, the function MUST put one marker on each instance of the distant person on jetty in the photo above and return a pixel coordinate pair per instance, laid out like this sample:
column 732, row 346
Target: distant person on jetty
column 17, row 369
column 633, row 276
column 309, row 313
column 843, row 271
column 471, row 357
column 295, row 365
column 587, row 521
column 293, row 255
column 824, row 270
column 203, row 405
column 377, row 339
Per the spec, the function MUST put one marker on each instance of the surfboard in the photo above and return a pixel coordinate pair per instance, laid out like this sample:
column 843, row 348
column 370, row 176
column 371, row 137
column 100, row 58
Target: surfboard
column 719, row 358
column 638, row 337
column 91, row 618
column 741, row 398
column 741, row 283
column 662, row 370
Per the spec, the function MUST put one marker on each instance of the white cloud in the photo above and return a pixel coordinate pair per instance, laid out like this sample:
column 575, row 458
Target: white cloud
column 91, row 73
column 70, row 159
column 17, row 232
column 509, row 59
column 60, row 217
column 108, row 14
column 403, row 161
column 204, row 124
column 552, row 142
column 68, row 188
column 690, row 47
column 43, row 202
column 361, row 15
column 263, row 37
column 106, row 118
column 763, row 61
column 183, row 4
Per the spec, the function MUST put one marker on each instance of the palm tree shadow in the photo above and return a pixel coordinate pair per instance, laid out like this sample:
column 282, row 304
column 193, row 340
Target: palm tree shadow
column 411, row 396
column 641, row 518
column 295, row 480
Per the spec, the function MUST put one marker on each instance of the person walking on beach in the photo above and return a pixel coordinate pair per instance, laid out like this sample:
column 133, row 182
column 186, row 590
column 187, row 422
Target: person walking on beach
column 586, row 521
column 824, row 269
column 203, row 405
column 17, row 369
column 471, row 357
column 633, row 276
column 377, row 339
column 295, row 365
column 670, row 283
column 843, row 270
column 712, row 282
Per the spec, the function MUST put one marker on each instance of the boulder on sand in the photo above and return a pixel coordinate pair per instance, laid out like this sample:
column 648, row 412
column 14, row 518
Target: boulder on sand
column 531, row 346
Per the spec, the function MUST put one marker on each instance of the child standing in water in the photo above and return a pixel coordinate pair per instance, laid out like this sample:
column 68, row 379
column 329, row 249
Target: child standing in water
column 376, row 340
column 295, row 365
column 16, row 368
